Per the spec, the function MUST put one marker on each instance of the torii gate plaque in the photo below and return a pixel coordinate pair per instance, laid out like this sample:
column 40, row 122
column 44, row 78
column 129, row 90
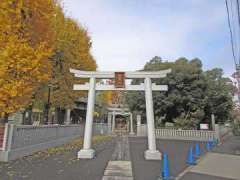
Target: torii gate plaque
column 151, row 153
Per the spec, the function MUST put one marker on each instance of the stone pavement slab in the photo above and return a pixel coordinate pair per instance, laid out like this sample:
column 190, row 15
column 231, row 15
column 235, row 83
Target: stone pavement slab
column 118, row 170
column 120, row 167
column 221, row 165
column 116, row 178
column 123, row 165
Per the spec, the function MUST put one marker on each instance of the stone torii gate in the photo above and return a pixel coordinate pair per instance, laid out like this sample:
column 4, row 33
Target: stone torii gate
column 151, row 153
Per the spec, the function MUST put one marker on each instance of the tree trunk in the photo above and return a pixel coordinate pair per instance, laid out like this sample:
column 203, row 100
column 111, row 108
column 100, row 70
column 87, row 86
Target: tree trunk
column 60, row 115
column 24, row 117
column 6, row 118
column 27, row 120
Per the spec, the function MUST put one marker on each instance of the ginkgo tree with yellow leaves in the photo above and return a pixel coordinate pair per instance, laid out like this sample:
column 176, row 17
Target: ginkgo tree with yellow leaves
column 24, row 55
column 72, row 50
column 38, row 44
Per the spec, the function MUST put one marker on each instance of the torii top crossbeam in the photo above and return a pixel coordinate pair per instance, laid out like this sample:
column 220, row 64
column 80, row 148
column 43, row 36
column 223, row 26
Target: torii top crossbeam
column 128, row 74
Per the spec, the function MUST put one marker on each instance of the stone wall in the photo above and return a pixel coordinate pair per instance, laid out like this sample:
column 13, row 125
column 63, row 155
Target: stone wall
column 24, row 140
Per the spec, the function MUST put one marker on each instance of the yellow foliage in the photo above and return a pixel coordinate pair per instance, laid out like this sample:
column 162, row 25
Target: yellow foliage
column 38, row 45
column 24, row 60
column 72, row 51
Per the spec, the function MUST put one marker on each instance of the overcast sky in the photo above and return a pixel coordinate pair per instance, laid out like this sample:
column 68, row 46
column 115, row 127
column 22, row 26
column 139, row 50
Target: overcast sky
column 128, row 33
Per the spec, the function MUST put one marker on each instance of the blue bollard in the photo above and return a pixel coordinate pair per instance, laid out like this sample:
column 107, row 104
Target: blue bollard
column 190, row 158
column 212, row 144
column 208, row 146
column 197, row 150
column 165, row 168
column 203, row 148
column 215, row 142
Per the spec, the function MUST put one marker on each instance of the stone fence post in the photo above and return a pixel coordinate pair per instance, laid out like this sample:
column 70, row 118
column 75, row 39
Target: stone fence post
column 7, row 143
column 109, row 122
column 68, row 117
column 213, row 121
column 138, row 125
column 217, row 133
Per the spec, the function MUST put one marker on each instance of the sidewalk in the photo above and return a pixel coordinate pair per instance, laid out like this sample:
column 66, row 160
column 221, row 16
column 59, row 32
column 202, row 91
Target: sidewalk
column 220, row 165
column 223, row 163
column 231, row 145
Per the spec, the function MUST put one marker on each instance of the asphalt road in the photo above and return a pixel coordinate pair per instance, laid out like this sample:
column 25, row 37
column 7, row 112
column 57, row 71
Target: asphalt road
column 149, row 170
column 66, row 166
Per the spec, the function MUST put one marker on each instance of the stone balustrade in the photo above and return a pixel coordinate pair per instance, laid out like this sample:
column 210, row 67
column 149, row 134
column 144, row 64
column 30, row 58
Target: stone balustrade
column 171, row 133
column 198, row 135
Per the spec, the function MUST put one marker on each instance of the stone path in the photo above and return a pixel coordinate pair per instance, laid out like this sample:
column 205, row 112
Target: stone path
column 121, row 151
column 120, row 166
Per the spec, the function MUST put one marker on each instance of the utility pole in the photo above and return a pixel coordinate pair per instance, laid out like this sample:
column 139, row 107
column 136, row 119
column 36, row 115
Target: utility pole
column 236, row 76
column 238, row 82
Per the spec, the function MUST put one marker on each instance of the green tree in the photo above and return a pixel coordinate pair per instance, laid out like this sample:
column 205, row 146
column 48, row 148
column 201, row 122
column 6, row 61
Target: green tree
column 218, row 99
column 189, row 95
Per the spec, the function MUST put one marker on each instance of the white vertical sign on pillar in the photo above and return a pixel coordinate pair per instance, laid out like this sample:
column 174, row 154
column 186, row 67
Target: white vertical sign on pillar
column 139, row 132
column 113, row 122
column 87, row 152
column 109, row 123
column 151, row 153
column 68, row 116
column 131, row 124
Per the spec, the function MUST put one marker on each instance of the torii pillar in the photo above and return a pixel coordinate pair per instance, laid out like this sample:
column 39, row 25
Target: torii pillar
column 152, row 153
column 87, row 152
